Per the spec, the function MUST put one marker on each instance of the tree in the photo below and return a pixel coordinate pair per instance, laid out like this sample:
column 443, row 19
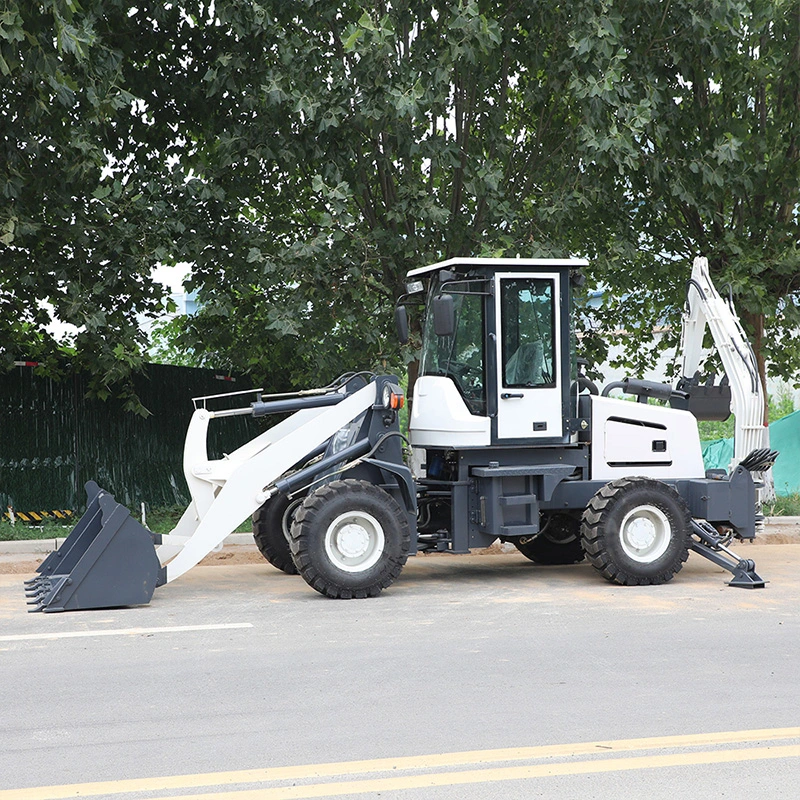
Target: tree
column 303, row 155
column 339, row 145
column 692, row 117
column 81, row 221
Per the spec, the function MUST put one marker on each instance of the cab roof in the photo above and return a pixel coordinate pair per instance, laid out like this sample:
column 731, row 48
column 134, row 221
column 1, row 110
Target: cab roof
column 462, row 263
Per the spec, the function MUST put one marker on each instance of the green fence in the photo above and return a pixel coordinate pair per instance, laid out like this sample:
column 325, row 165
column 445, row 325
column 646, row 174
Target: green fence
column 784, row 436
column 53, row 440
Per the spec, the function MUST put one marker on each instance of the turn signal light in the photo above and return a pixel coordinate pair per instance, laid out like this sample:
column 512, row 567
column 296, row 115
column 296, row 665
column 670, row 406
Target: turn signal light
column 393, row 397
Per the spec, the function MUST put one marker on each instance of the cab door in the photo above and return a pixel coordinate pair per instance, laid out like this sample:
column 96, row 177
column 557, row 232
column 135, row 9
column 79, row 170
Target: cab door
column 529, row 403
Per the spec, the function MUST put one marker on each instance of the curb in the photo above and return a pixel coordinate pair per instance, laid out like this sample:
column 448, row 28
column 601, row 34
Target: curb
column 777, row 530
column 45, row 546
column 782, row 523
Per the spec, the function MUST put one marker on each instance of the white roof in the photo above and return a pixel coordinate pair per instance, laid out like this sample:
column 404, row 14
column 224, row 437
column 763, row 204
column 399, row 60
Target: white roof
column 516, row 263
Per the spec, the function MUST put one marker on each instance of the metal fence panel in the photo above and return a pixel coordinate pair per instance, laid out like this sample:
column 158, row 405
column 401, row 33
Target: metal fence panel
column 53, row 439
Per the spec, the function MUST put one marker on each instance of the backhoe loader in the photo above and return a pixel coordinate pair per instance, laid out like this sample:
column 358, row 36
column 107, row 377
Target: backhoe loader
column 507, row 440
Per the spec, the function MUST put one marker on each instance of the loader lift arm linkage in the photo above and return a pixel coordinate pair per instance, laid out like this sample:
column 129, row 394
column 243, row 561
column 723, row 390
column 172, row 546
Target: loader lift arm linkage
column 108, row 549
column 504, row 445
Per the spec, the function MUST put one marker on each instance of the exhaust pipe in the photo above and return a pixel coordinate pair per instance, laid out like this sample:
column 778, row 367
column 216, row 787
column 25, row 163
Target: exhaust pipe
column 108, row 560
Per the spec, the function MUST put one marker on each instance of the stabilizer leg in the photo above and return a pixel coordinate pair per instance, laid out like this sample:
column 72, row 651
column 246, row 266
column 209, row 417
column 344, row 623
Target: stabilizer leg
column 712, row 545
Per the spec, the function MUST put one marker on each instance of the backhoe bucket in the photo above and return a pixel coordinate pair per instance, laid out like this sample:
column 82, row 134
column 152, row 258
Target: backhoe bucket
column 108, row 560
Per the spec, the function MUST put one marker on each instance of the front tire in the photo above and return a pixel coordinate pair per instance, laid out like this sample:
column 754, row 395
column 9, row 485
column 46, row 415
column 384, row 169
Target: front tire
column 637, row 532
column 350, row 539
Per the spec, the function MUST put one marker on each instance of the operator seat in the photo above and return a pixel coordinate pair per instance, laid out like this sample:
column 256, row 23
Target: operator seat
column 524, row 368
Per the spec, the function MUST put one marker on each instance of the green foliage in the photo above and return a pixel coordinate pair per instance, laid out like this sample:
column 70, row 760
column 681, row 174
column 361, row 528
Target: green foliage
column 344, row 145
column 302, row 156
column 712, row 429
column 781, row 404
column 691, row 121
column 21, row 531
column 82, row 216
column 163, row 519
column 159, row 520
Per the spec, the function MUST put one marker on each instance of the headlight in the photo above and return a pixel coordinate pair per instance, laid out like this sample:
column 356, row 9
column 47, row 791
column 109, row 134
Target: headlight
column 393, row 397
column 340, row 439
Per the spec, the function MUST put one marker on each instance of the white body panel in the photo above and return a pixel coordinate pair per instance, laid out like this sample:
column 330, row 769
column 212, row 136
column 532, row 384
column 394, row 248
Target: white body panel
column 226, row 492
column 521, row 411
column 627, row 440
column 440, row 418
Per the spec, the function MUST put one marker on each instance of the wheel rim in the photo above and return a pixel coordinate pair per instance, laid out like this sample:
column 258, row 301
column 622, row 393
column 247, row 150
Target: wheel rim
column 354, row 541
column 645, row 534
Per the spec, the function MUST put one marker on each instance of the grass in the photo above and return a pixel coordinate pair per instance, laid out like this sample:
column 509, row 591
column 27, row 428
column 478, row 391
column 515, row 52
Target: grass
column 20, row 531
column 159, row 520
column 163, row 520
column 784, row 506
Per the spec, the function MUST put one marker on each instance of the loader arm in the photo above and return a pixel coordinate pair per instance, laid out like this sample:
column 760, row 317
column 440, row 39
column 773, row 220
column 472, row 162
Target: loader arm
column 204, row 481
column 706, row 307
column 228, row 491
column 109, row 559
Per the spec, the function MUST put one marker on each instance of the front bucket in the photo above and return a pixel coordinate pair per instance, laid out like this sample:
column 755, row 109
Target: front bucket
column 108, row 560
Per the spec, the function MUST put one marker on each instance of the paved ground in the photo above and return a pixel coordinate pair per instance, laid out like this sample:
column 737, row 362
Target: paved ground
column 472, row 677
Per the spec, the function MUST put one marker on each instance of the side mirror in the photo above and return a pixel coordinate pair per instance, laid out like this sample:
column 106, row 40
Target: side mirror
column 444, row 315
column 401, row 323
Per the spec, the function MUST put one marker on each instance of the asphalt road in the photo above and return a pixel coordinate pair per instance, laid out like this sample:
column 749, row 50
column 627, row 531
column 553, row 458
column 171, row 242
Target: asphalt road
column 472, row 677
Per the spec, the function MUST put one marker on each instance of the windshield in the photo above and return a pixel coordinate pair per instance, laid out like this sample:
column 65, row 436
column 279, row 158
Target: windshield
column 459, row 357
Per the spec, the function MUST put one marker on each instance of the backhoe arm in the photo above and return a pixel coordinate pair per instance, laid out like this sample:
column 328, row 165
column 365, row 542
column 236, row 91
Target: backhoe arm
column 706, row 307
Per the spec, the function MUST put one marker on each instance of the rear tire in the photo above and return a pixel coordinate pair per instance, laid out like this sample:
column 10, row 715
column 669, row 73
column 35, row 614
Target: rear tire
column 271, row 524
column 559, row 542
column 637, row 532
column 350, row 539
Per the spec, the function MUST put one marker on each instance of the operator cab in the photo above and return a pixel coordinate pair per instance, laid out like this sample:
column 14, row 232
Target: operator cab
column 496, row 364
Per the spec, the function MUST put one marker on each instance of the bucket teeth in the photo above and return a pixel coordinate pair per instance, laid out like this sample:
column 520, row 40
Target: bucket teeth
column 38, row 593
column 40, row 588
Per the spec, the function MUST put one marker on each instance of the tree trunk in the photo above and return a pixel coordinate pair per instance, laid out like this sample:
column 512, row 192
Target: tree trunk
column 767, row 494
column 757, row 321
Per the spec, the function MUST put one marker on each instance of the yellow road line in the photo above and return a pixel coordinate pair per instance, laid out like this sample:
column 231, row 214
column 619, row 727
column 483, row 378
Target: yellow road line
column 431, row 761
column 502, row 774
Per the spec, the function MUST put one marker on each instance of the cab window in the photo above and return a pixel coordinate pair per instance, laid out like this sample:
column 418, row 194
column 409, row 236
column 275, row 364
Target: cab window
column 528, row 332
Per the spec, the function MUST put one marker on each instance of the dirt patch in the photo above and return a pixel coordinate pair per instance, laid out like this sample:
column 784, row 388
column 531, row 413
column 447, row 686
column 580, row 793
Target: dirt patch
column 229, row 556
column 19, row 567
column 25, row 564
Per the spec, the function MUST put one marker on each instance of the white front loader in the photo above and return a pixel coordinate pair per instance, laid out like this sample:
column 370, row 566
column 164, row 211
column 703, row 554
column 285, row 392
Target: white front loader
column 228, row 491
